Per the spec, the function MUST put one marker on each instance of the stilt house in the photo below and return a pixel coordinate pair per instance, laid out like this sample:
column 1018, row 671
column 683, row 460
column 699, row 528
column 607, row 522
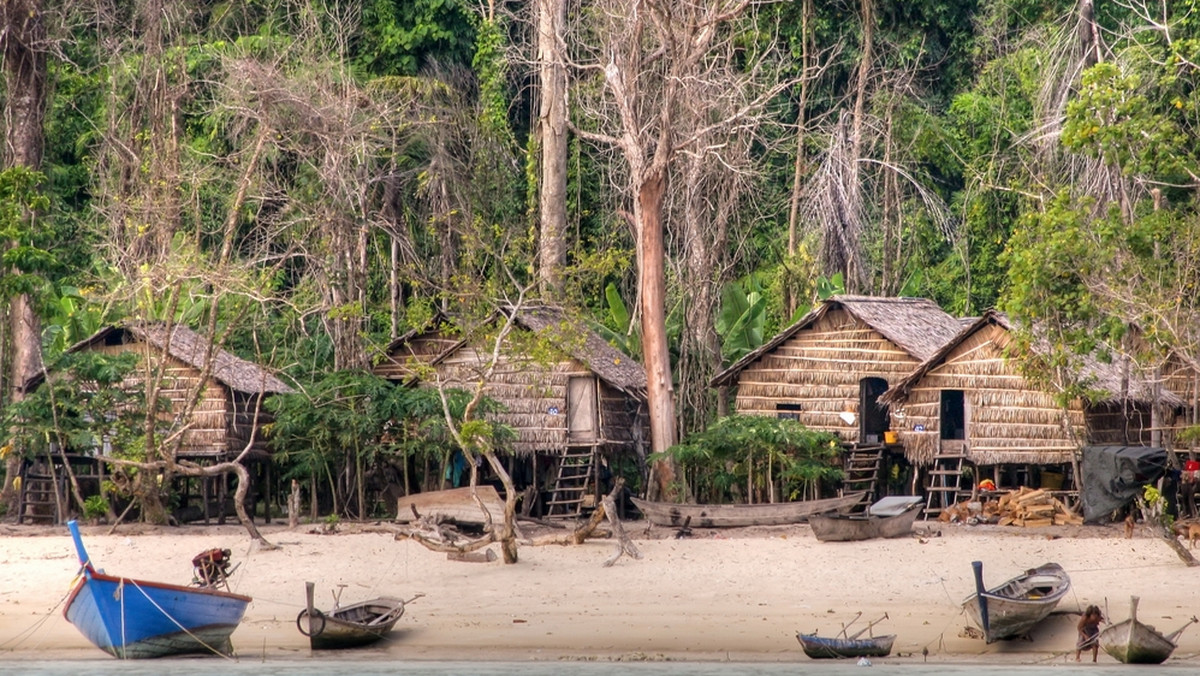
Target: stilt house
column 226, row 419
column 970, row 402
column 581, row 405
column 829, row 369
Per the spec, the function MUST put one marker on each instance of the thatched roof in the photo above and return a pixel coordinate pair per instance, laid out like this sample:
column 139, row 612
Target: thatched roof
column 1121, row 383
column 610, row 364
column 191, row 348
column 572, row 336
column 916, row 325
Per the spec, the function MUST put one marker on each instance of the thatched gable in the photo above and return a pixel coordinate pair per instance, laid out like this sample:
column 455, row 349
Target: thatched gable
column 1007, row 419
column 827, row 369
column 227, row 415
column 538, row 395
column 612, row 365
column 916, row 325
column 190, row 348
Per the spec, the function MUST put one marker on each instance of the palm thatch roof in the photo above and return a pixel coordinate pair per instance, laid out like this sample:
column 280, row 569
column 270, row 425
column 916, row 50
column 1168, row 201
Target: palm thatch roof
column 566, row 332
column 610, row 364
column 191, row 348
column 1117, row 378
column 916, row 325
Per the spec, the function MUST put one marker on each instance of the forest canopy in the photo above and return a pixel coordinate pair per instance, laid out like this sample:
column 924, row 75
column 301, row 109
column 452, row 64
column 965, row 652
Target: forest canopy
column 305, row 181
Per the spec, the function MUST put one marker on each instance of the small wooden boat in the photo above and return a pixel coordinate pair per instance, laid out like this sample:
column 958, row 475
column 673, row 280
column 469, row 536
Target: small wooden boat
column 825, row 647
column 456, row 504
column 348, row 626
column 731, row 516
column 1132, row 642
column 130, row 618
column 889, row 517
column 1013, row 608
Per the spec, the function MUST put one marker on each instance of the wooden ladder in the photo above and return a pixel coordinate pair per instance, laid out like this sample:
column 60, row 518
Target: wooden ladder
column 861, row 468
column 945, row 483
column 36, row 502
column 575, row 469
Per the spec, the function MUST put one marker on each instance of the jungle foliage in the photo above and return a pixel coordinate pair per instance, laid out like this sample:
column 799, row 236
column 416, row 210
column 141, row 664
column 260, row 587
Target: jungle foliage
column 306, row 181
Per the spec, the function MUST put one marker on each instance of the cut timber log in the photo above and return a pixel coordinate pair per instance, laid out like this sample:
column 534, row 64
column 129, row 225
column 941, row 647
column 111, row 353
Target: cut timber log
column 1024, row 507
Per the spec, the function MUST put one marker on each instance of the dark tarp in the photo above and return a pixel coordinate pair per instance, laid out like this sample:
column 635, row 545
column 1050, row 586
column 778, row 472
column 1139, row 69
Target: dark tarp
column 1114, row 475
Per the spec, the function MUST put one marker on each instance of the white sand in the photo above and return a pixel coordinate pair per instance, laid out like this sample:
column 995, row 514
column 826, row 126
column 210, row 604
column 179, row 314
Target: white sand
column 739, row 595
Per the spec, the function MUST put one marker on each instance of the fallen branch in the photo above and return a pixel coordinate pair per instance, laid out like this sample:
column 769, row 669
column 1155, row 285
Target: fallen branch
column 624, row 544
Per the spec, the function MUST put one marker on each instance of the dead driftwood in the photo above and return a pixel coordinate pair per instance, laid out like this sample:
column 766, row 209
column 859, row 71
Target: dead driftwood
column 590, row 529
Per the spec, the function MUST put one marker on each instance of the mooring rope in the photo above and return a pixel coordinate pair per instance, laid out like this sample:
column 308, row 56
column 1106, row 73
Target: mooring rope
column 169, row 617
column 17, row 640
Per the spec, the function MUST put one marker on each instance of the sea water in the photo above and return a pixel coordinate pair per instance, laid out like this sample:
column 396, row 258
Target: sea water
column 358, row 666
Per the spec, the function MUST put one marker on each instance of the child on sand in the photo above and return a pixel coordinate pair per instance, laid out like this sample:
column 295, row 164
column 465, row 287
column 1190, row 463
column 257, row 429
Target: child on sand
column 1089, row 632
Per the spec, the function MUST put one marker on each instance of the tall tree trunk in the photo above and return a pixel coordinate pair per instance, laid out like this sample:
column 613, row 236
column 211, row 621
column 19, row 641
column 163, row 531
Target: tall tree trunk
column 656, row 353
column 790, row 302
column 854, row 274
column 552, row 132
column 22, row 34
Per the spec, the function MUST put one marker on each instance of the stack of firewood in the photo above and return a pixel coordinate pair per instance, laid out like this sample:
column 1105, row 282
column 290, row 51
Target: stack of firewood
column 1032, row 508
column 1025, row 507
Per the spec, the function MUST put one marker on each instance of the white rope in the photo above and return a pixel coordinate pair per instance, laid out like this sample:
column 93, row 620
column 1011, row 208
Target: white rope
column 168, row 616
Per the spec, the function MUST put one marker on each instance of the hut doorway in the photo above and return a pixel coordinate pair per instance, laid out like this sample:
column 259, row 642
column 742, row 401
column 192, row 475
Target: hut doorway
column 582, row 408
column 953, row 422
column 873, row 416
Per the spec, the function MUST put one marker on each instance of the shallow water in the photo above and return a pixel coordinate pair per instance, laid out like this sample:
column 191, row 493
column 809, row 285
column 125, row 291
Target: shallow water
column 349, row 667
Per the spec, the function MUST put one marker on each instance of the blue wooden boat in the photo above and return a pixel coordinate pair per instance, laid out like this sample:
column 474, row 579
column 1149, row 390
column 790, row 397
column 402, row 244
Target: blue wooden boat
column 130, row 618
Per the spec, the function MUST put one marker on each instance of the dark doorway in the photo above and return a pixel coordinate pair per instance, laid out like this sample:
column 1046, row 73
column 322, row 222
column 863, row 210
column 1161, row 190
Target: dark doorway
column 872, row 415
column 953, row 422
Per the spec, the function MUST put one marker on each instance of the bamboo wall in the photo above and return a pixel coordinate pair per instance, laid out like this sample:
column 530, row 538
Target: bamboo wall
column 1007, row 420
column 207, row 433
column 819, row 369
column 534, row 393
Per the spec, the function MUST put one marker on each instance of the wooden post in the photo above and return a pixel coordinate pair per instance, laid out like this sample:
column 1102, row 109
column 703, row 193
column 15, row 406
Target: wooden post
column 294, row 505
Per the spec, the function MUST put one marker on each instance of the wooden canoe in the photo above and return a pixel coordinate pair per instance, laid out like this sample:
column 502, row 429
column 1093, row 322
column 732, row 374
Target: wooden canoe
column 455, row 503
column 890, row 517
column 349, row 626
column 1133, row 642
column 1013, row 608
column 823, row 647
column 732, row 516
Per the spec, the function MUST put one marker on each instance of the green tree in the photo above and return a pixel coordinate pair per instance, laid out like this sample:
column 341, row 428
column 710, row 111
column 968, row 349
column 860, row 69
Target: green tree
column 756, row 459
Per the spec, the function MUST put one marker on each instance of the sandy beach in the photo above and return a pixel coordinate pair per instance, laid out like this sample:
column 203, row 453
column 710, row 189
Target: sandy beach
column 734, row 594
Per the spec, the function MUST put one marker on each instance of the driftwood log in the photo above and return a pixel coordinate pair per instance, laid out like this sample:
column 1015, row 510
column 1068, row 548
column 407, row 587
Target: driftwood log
column 624, row 544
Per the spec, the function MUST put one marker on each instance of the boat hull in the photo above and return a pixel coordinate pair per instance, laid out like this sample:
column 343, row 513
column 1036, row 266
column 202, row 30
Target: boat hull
column 734, row 516
column 130, row 618
column 820, row 647
column 1014, row 607
column 1132, row 642
column 353, row 626
column 852, row 527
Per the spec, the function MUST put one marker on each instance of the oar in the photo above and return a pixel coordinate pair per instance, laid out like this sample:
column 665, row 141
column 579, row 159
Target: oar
column 869, row 625
column 846, row 624
column 1174, row 636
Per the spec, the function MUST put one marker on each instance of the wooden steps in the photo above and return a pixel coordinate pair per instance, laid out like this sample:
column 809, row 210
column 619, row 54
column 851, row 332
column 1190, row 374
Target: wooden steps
column 861, row 468
column 573, row 484
column 944, row 484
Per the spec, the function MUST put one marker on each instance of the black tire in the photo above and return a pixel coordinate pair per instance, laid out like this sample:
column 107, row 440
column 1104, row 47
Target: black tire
column 302, row 624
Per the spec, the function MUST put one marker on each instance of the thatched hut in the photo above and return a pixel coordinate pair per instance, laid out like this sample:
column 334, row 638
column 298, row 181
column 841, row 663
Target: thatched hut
column 971, row 399
column 829, row 369
column 227, row 417
column 580, row 401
